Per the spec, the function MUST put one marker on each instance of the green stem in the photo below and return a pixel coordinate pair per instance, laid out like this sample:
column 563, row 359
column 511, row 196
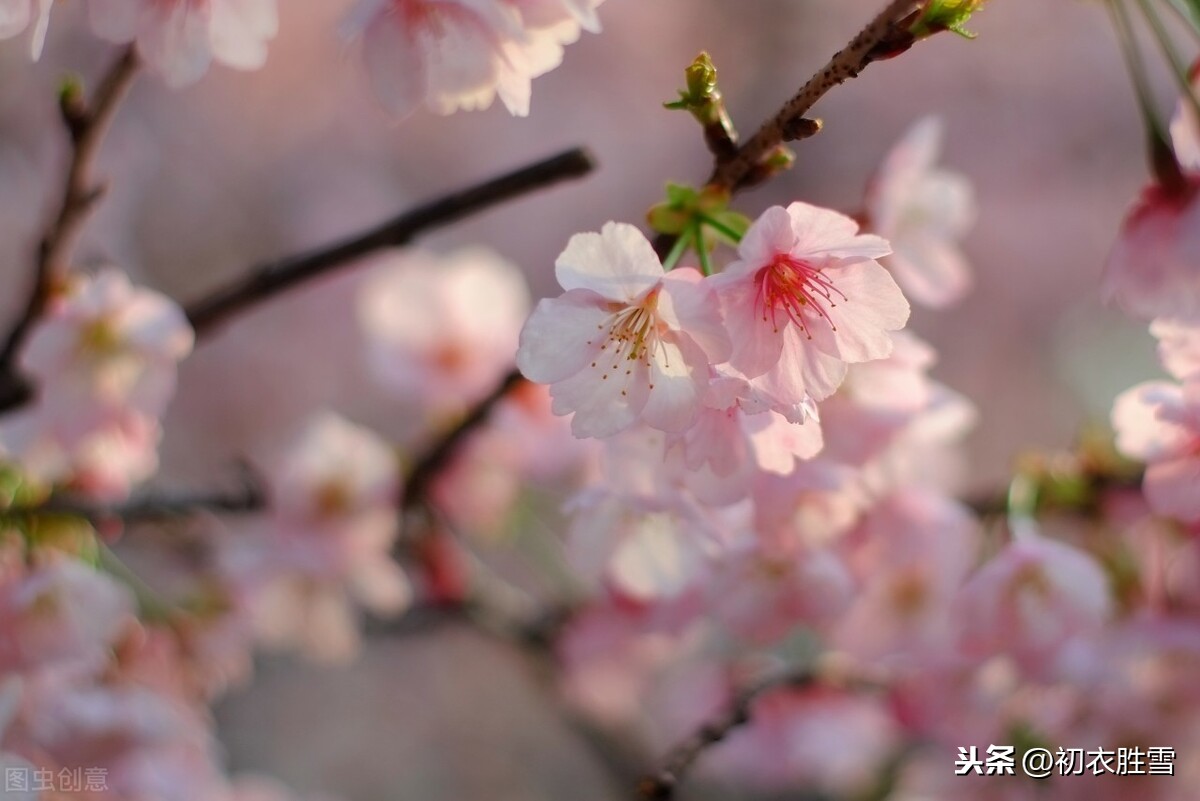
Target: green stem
column 719, row 226
column 680, row 247
column 1190, row 22
column 697, row 234
column 1133, row 59
column 1173, row 58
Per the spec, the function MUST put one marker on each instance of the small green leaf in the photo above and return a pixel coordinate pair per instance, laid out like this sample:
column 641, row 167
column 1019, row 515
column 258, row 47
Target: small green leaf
column 946, row 15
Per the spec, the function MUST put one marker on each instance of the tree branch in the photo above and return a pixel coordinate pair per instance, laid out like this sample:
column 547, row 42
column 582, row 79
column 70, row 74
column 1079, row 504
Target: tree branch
column 884, row 36
column 268, row 280
column 662, row 785
column 87, row 125
column 441, row 452
column 247, row 500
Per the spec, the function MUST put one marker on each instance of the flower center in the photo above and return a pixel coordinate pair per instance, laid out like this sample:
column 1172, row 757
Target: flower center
column 633, row 336
column 100, row 338
column 797, row 290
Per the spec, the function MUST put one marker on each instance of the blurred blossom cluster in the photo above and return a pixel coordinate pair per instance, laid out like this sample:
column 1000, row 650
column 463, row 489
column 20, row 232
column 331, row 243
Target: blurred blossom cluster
column 725, row 458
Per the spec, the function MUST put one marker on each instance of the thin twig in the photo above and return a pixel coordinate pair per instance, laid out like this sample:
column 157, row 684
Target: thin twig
column 662, row 784
column 441, row 452
column 883, row 36
column 268, row 280
column 87, row 125
column 833, row 672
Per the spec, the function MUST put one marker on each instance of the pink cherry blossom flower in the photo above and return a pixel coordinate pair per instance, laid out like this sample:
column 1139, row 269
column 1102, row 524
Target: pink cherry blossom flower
column 910, row 556
column 61, row 613
column 334, row 496
column 1029, row 600
column 104, row 463
column 462, row 54
column 16, row 16
column 762, row 596
column 740, row 430
column 1154, row 267
column 1159, row 423
column 609, row 659
column 1152, row 270
column 806, row 297
column 923, row 212
column 626, row 341
column 104, row 357
column 106, row 347
column 181, row 38
column 830, row 740
column 728, row 440
column 443, row 330
column 645, row 550
column 1178, row 346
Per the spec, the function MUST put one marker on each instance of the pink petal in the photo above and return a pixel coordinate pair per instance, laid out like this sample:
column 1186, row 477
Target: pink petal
column 1173, row 488
column 678, row 375
column 688, row 303
column 618, row 263
column 562, row 336
column 823, row 232
column 602, row 406
column 873, row 306
column 769, row 235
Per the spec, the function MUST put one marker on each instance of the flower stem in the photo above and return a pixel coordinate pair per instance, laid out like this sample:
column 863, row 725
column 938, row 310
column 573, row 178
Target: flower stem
column 721, row 227
column 697, row 234
column 1133, row 60
column 1178, row 67
column 680, row 247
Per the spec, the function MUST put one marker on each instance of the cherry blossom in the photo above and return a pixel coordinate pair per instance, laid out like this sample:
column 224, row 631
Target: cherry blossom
column 17, row 15
column 1159, row 422
column 104, row 357
column 1151, row 271
column 1030, row 599
column 910, row 555
column 462, row 54
column 107, row 346
column 441, row 331
column 63, row 612
column 334, row 495
column 829, row 740
column 806, row 297
column 646, row 550
column 181, row 38
column 741, row 430
column 923, row 212
column 626, row 341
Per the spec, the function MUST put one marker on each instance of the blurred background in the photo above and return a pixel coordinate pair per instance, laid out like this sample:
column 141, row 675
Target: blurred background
column 207, row 181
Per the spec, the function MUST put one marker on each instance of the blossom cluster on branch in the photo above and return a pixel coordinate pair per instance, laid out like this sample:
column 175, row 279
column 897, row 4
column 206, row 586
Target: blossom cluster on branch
column 723, row 458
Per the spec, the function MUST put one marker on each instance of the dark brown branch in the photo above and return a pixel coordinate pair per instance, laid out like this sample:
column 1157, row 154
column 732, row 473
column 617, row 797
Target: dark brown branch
column 884, row 36
column 661, row 786
column 87, row 125
column 442, row 451
column 268, row 280
column 247, row 500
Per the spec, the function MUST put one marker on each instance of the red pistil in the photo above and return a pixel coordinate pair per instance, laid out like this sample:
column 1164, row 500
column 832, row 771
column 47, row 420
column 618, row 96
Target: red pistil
column 796, row 288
